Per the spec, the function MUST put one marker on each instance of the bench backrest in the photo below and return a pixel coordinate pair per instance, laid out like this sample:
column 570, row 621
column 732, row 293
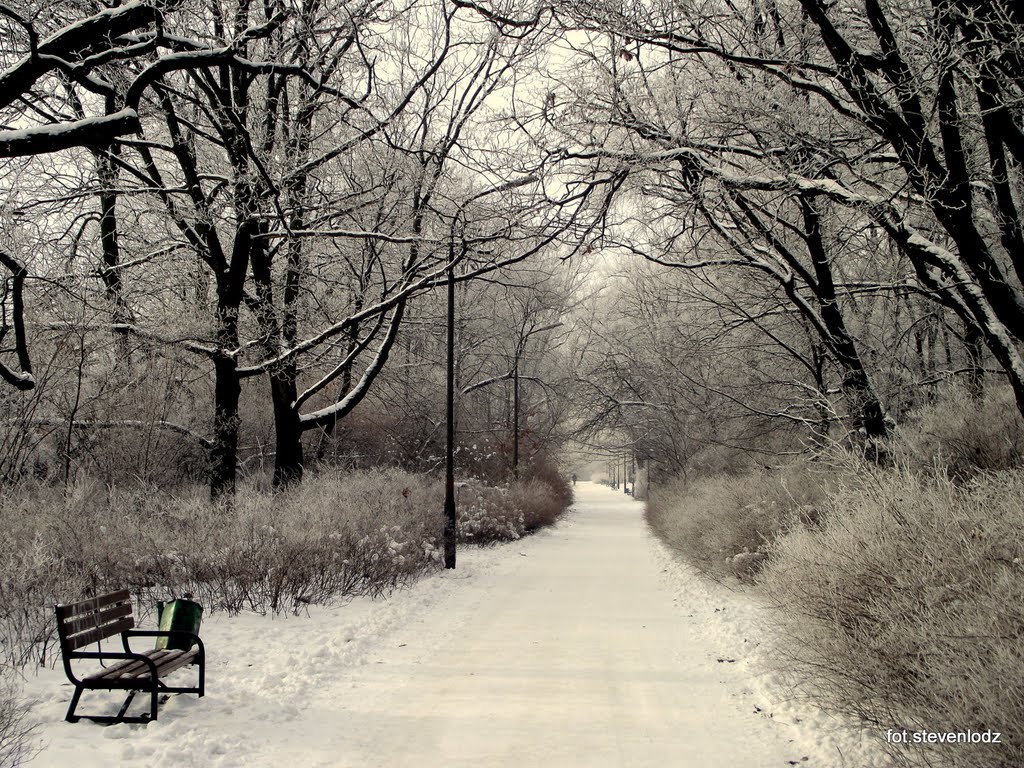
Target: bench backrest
column 92, row 620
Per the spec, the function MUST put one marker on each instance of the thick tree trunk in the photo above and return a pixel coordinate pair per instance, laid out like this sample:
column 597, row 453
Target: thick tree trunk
column 870, row 416
column 288, row 456
column 110, row 246
column 227, row 384
column 288, row 460
column 224, row 454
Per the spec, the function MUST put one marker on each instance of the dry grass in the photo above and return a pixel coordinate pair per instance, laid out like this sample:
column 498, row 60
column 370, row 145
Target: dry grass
column 905, row 608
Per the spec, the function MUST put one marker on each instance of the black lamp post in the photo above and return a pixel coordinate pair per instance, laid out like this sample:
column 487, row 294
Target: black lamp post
column 449, row 457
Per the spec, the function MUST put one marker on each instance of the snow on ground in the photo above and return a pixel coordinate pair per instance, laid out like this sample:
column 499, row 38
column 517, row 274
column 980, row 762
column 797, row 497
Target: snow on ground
column 584, row 645
column 736, row 629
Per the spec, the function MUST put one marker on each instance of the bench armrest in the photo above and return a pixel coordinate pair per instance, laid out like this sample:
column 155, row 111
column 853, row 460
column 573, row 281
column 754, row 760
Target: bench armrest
column 163, row 633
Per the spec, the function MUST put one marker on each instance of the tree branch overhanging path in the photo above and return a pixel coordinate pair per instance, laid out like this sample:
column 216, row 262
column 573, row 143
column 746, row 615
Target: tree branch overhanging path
column 255, row 153
column 274, row 194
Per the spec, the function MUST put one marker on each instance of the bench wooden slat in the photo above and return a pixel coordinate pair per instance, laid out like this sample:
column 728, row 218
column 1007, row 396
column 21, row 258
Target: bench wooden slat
column 166, row 661
column 131, row 667
column 180, row 659
column 172, row 660
column 72, row 626
column 89, row 636
column 70, row 610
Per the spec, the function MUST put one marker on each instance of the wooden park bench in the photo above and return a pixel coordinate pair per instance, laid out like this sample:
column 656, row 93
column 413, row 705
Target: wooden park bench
column 108, row 616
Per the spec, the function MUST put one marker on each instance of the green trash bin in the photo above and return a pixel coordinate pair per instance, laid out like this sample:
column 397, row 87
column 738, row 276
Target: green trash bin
column 181, row 615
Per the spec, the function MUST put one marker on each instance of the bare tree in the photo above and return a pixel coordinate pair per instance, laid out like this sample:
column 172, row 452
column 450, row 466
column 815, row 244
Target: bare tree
column 874, row 76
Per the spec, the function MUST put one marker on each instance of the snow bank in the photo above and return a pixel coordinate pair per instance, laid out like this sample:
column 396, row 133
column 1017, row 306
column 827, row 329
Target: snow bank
column 739, row 635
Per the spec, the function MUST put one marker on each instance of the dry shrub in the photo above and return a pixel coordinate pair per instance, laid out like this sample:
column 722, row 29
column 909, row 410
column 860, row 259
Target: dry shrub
column 724, row 524
column 959, row 436
column 905, row 608
column 154, row 456
column 333, row 536
column 32, row 575
column 543, row 470
column 488, row 515
column 17, row 745
column 539, row 504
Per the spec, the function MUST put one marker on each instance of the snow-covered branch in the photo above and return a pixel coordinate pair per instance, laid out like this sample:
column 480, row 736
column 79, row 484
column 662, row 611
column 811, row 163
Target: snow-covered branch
column 168, row 426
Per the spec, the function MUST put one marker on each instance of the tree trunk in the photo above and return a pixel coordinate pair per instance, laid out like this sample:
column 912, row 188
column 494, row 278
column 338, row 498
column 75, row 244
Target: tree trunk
column 288, row 460
column 515, row 420
column 110, row 246
column 870, row 416
column 288, row 454
column 450, row 513
column 973, row 344
column 224, row 454
column 227, row 384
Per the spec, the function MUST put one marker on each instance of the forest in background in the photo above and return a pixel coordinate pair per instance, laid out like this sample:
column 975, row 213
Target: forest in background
column 771, row 250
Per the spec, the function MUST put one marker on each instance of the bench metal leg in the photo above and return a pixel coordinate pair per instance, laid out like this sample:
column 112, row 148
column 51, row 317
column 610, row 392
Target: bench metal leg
column 127, row 703
column 154, row 693
column 70, row 716
column 120, row 717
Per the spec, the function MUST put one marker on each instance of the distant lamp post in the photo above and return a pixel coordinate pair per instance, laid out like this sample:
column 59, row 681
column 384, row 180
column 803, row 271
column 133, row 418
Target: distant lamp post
column 515, row 418
column 449, row 456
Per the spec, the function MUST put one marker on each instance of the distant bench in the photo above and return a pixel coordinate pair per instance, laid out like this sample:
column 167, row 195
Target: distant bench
column 107, row 616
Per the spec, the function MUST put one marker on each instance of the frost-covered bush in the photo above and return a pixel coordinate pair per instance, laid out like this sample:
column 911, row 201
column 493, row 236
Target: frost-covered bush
column 545, row 486
column 960, row 436
column 17, row 745
column 487, row 515
column 539, row 504
column 333, row 536
column 904, row 606
column 724, row 524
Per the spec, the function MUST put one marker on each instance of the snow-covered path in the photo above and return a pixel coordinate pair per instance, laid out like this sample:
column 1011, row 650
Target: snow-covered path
column 581, row 646
column 574, row 655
